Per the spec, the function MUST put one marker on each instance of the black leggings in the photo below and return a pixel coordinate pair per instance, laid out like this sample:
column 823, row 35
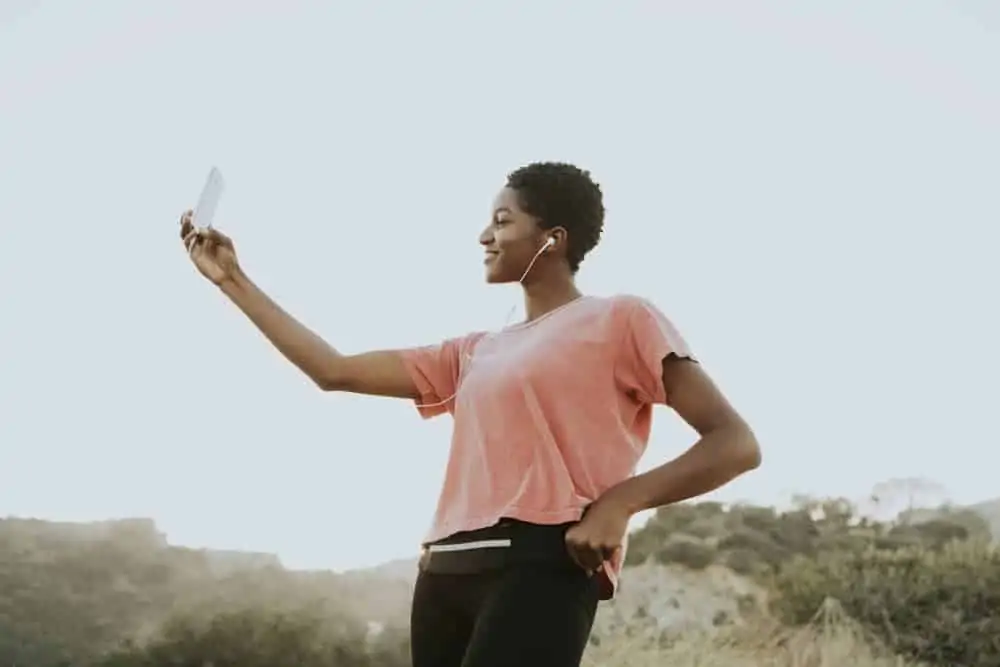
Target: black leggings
column 522, row 615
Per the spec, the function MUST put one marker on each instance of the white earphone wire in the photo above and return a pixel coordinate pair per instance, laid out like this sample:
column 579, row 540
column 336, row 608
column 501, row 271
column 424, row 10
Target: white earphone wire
column 551, row 241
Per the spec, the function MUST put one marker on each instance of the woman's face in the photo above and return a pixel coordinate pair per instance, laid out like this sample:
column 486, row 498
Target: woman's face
column 511, row 240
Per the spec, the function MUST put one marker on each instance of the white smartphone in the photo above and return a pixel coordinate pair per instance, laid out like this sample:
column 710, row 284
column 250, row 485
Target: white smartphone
column 204, row 212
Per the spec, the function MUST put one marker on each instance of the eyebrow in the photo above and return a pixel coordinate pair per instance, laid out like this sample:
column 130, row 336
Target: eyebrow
column 503, row 209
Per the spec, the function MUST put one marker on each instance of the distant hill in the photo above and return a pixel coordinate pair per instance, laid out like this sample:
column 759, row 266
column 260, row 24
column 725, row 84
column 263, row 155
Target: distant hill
column 402, row 569
column 988, row 511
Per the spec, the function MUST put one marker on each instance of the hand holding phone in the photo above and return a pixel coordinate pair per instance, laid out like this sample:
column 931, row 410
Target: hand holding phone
column 211, row 251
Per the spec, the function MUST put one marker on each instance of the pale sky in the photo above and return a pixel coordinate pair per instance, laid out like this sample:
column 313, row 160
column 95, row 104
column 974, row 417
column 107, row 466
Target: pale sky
column 811, row 191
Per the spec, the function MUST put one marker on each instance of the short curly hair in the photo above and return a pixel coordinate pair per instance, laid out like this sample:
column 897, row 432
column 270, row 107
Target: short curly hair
column 562, row 195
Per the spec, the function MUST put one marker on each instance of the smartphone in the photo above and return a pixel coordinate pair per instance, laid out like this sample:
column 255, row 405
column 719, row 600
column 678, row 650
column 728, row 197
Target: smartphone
column 204, row 212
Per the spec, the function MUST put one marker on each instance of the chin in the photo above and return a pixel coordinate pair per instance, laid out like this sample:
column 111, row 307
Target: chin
column 495, row 277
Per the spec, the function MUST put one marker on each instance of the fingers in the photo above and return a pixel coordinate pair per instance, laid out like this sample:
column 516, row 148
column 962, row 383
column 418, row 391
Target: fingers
column 210, row 234
column 200, row 241
column 192, row 239
column 589, row 555
column 186, row 224
column 587, row 560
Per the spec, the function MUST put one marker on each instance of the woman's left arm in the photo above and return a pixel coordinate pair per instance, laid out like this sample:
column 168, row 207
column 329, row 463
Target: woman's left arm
column 726, row 447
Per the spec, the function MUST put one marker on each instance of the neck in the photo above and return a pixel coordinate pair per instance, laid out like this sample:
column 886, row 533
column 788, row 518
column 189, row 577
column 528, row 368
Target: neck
column 545, row 295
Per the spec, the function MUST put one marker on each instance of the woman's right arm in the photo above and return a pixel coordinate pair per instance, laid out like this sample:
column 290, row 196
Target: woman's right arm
column 381, row 373
column 378, row 373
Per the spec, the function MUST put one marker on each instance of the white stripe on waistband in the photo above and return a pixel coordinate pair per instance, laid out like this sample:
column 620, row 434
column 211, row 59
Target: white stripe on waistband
column 468, row 546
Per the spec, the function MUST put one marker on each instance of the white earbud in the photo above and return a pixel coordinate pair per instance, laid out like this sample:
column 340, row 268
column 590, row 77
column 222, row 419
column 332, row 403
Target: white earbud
column 549, row 243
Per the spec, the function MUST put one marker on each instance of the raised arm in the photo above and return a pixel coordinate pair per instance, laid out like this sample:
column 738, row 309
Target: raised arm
column 379, row 373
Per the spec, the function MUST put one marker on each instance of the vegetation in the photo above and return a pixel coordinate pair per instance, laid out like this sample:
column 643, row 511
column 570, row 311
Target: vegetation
column 924, row 586
column 116, row 595
column 829, row 640
column 927, row 589
column 936, row 605
column 761, row 540
column 263, row 637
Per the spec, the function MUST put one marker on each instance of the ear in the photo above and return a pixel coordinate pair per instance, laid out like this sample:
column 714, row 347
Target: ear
column 558, row 236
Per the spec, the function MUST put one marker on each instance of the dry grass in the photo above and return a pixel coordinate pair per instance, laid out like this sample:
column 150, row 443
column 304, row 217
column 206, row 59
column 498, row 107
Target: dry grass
column 832, row 640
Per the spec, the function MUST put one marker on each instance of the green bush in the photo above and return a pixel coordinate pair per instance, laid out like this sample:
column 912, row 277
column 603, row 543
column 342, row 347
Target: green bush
column 744, row 561
column 262, row 638
column 691, row 554
column 937, row 605
column 812, row 527
column 768, row 551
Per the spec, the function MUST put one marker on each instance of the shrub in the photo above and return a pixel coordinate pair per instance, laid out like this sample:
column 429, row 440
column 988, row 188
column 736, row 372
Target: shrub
column 261, row 638
column 745, row 539
column 694, row 555
column 744, row 561
column 934, row 605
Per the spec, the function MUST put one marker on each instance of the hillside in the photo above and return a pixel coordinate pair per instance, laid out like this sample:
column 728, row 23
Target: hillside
column 703, row 567
column 712, row 543
column 72, row 592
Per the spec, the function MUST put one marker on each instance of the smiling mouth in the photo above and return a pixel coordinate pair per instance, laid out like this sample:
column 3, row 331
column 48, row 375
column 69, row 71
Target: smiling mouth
column 490, row 256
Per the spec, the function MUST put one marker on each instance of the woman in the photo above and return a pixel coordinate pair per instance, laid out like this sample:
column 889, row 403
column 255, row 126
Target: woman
column 550, row 418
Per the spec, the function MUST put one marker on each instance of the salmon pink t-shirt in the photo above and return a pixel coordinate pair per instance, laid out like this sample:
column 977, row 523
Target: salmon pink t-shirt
column 548, row 414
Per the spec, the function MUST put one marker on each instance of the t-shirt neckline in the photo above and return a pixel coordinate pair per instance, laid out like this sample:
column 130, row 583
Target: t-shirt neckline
column 544, row 316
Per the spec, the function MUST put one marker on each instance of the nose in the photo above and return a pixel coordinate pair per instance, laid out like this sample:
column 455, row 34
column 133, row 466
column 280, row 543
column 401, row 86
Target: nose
column 486, row 236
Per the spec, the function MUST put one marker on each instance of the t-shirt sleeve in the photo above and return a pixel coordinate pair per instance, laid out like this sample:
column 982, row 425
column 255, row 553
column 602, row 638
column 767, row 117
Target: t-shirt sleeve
column 648, row 337
column 435, row 370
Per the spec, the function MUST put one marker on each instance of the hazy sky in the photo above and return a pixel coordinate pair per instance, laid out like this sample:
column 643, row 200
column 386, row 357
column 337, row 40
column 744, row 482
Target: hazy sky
column 810, row 190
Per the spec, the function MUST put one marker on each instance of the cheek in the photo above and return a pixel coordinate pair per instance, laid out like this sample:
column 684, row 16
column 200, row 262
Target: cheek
column 511, row 242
